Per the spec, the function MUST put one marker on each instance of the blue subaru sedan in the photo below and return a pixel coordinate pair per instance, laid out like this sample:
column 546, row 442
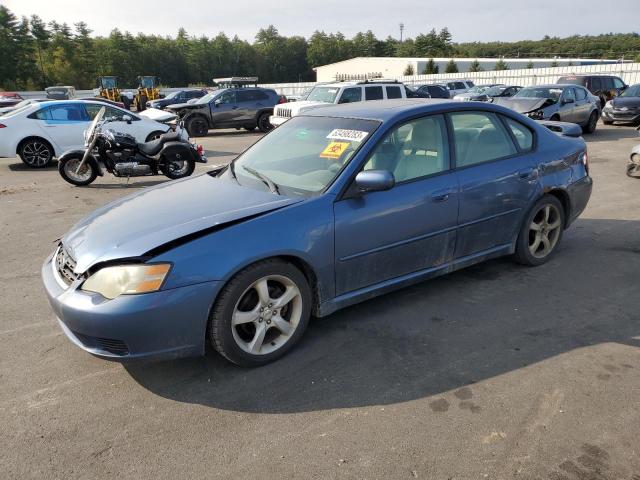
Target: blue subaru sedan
column 329, row 209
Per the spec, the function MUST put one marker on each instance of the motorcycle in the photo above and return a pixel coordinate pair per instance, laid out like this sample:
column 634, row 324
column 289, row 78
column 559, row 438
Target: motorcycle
column 633, row 167
column 171, row 155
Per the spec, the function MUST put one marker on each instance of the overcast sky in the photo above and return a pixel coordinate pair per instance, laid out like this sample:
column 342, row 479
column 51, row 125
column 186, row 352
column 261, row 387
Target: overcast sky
column 468, row 21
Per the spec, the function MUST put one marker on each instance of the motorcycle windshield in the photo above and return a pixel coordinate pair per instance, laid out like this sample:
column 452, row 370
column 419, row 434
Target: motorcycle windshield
column 88, row 133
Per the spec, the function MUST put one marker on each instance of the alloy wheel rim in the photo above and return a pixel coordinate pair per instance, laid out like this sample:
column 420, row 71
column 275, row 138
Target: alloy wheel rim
column 71, row 167
column 267, row 315
column 200, row 127
column 544, row 231
column 36, row 153
column 178, row 167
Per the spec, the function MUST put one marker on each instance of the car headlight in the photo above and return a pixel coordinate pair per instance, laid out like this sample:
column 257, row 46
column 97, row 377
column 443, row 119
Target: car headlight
column 608, row 105
column 111, row 282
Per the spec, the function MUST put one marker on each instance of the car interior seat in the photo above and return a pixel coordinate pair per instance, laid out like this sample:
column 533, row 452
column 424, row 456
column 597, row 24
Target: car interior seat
column 423, row 153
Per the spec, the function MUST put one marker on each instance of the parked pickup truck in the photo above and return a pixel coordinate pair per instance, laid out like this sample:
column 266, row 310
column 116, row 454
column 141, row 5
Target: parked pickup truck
column 339, row 92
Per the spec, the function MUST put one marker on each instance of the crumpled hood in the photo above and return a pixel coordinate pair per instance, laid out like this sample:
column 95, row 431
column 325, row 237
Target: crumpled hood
column 523, row 105
column 180, row 106
column 629, row 102
column 134, row 225
column 158, row 115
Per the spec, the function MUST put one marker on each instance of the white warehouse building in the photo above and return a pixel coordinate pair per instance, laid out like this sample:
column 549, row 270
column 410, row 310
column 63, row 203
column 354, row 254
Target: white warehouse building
column 393, row 67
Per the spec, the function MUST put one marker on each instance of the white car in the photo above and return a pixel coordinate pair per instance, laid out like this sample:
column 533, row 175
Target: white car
column 339, row 92
column 456, row 87
column 39, row 132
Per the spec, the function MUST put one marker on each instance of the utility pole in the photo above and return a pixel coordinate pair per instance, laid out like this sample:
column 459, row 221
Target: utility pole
column 401, row 30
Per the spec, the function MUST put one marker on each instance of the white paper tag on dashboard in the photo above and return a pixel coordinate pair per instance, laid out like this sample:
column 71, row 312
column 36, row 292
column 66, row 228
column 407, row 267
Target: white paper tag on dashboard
column 349, row 135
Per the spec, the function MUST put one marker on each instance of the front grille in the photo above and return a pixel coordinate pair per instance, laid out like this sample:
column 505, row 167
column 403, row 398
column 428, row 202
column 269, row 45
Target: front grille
column 283, row 112
column 111, row 345
column 65, row 266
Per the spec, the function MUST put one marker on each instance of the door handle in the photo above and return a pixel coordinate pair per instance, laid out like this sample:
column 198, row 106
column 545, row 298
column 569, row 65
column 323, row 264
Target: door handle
column 528, row 174
column 441, row 195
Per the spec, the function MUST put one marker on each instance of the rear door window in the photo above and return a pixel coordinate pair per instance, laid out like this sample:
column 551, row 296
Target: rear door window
column 394, row 92
column 522, row 134
column 373, row 93
column 460, row 86
column 479, row 137
column 68, row 113
column 596, row 84
column 607, row 83
column 580, row 94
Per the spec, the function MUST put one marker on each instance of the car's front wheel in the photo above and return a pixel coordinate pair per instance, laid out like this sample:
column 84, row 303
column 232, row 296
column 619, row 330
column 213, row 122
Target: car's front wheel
column 197, row 127
column 261, row 313
column 541, row 232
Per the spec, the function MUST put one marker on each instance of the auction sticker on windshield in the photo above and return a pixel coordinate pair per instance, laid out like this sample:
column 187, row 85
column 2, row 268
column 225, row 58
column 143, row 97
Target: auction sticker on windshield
column 350, row 135
column 334, row 150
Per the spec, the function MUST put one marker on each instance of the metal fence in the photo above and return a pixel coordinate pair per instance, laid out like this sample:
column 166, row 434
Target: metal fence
column 629, row 72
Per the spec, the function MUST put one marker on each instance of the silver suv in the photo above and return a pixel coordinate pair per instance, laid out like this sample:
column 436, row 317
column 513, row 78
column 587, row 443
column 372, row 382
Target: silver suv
column 340, row 92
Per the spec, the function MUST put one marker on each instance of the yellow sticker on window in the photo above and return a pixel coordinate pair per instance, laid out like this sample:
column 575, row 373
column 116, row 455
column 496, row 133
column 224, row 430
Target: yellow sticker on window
column 335, row 150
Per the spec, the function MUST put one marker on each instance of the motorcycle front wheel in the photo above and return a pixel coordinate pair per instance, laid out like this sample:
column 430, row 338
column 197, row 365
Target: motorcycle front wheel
column 178, row 168
column 633, row 167
column 68, row 168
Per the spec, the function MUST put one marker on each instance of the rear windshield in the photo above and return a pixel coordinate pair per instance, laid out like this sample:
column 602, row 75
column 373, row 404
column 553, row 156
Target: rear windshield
column 573, row 80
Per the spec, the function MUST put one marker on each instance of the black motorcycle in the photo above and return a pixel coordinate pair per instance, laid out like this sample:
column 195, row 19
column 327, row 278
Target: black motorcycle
column 171, row 155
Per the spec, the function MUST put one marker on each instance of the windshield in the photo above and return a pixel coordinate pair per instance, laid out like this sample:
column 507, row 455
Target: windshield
column 208, row 97
column 16, row 110
column 491, row 91
column 633, row 91
column 302, row 156
column 323, row 94
column 540, row 92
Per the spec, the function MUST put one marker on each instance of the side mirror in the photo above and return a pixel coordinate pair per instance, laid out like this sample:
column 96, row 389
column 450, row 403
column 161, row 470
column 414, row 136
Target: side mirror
column 126, row 118
column 374, row 181
column 217, row 102
column 567, row 100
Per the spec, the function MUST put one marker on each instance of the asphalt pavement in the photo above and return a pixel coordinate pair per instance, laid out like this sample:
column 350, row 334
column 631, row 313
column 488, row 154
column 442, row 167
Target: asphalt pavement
column 497, row 371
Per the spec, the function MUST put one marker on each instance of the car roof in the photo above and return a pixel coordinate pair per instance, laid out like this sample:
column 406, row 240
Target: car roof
column 381, row 110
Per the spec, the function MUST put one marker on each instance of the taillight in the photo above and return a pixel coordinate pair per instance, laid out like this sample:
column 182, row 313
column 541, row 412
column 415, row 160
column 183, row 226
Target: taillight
column 2, row 125
column 282, row 99
column 199, row 149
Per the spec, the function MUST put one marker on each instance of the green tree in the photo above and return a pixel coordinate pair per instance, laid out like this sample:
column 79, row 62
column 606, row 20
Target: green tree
column 501, row 65
column 529, row 65
column 475, row 66
column 409, row 70
column 554, row 63
column 452, row 67
column 431, row 68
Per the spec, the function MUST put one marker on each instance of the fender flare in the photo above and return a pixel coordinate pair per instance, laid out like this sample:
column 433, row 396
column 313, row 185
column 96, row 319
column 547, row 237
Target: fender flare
column 80, row 153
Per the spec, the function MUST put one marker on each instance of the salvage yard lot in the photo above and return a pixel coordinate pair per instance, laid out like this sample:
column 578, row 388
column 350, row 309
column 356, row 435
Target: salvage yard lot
column 496, row 371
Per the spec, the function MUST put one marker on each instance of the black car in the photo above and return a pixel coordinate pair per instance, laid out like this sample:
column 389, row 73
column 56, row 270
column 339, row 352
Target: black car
column 181, row 96
column 623, row 108
column 606, row 87
column 432, row 91
column 244, row 107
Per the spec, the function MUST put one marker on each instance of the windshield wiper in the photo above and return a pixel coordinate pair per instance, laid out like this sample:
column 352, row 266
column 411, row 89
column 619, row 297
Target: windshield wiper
column 267, row 181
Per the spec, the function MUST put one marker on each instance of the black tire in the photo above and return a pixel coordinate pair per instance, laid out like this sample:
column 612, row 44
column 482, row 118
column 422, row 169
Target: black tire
column 142, row 103
column 65, row 164
column 197, row 126
column 607, row 122
column 126, row 102
column 249, row 128
column 263, row 123
column 523, row 253
column 592, row 123
column 220, row 328
column 173, row 175
column 35, row 152
column 154, row 135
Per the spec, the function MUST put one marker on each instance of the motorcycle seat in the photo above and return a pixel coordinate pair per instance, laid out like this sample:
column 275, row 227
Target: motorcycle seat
column 154, row 146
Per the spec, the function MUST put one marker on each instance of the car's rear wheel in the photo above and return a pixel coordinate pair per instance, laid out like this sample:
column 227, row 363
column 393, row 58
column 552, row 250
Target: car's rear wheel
column 264, row 125
column 541, row 232
column 197, row 127
column 592, row 123
column 261, row 313
column 36, row 153
column 154, row 135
